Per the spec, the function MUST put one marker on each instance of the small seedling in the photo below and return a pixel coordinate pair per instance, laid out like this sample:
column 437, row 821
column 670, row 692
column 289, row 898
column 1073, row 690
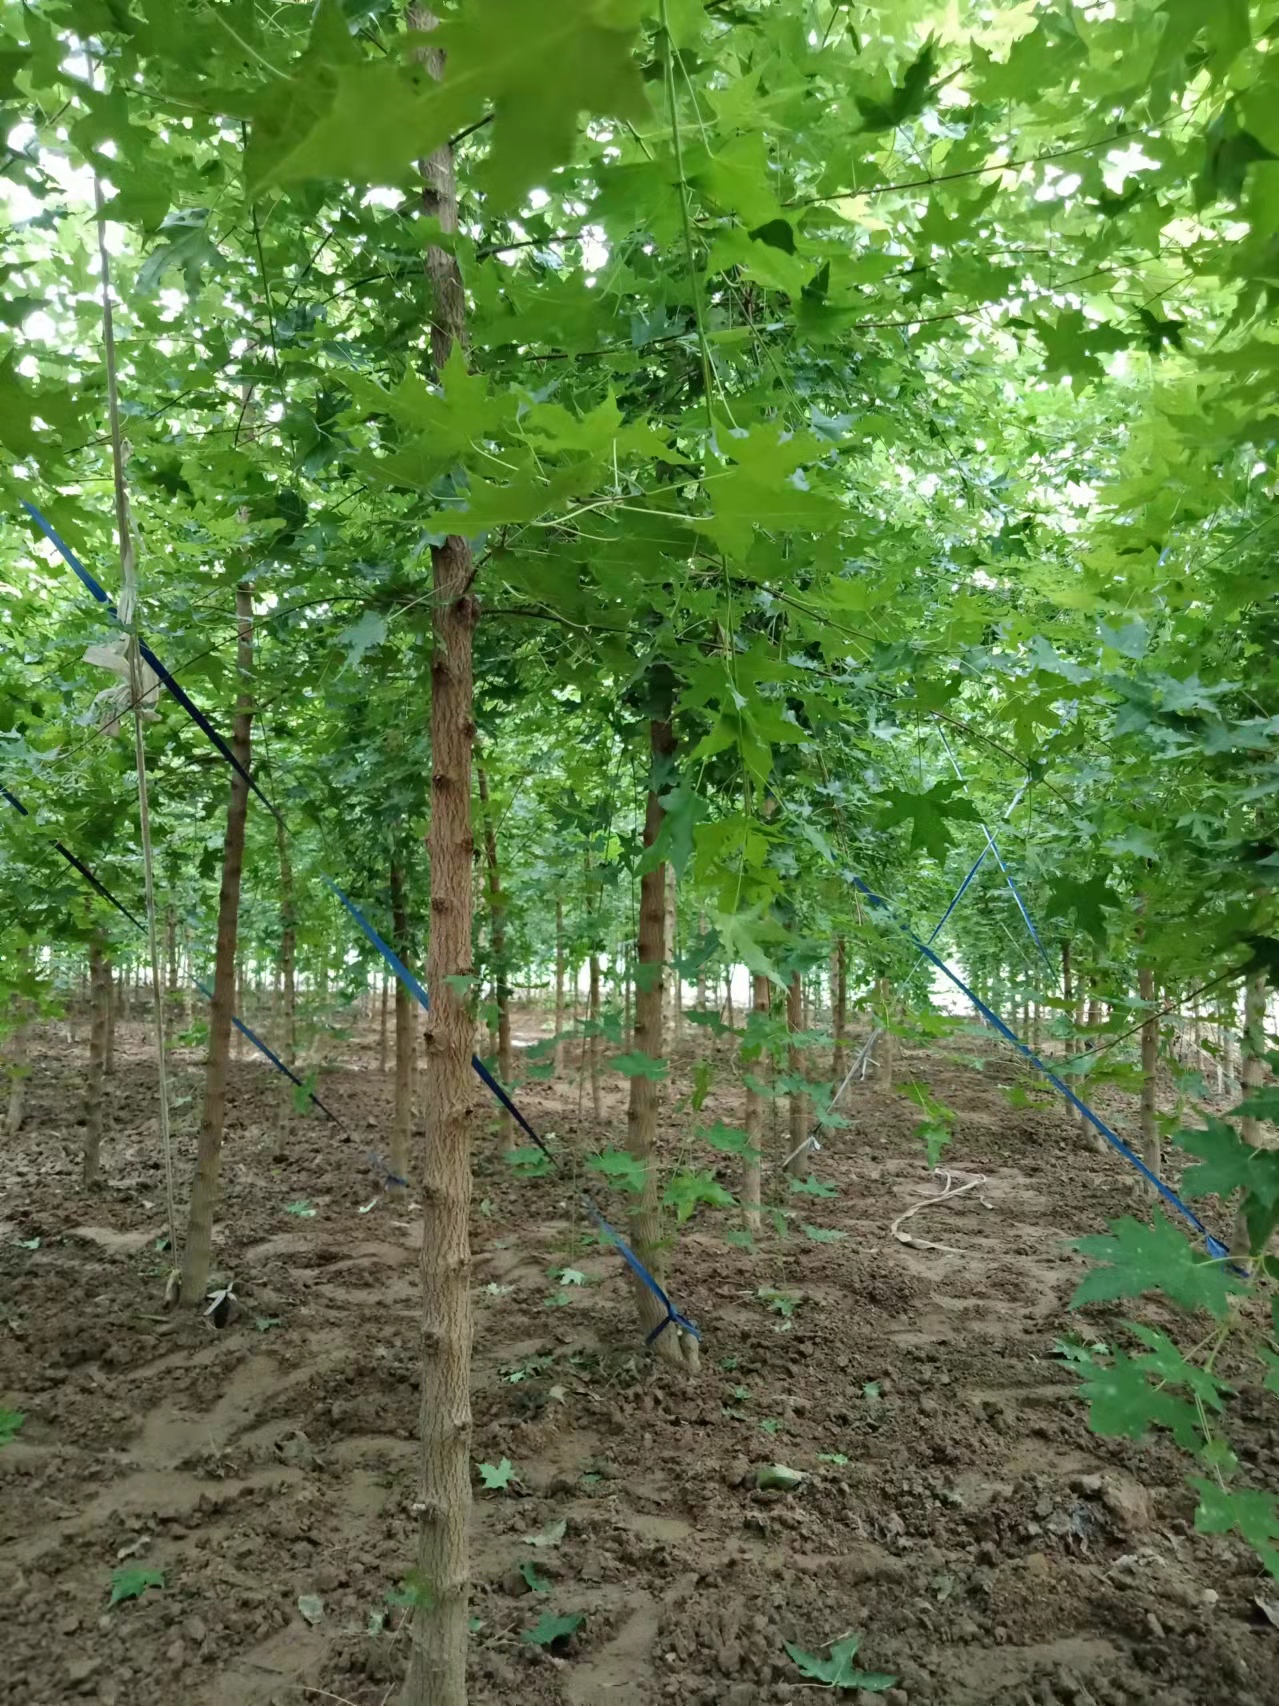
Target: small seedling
column 551, row 1631
column 497, row 1476
column 571, row 1276
column 264, row 1323
column 839, row 1671
column 10, row 1425
column 783, row 1303
column 493, row 1289
column 824, row 1234
column 835, row 1457
column 301, row 1208
column 133, row 1583
column 559, row 1299
column 312, row 1608
column 532, row 1579
column 871, row 1392
column 771, row 1425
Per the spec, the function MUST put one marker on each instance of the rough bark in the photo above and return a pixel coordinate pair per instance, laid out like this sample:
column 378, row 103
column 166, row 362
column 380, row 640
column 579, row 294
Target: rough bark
column 100, row 1006
column 437, row 1664
column 171, row 946
column 797, row 1153
column 1252, row 1074
column 641, row 1117
column 288, row 948
column 382, row 1032
column 405, row 1041
column 559, row 983
column 840, row 1003
column 198, row 1250
column 673, row 1002
column 111, row 1002
column 594, row 1041
column 761, row 1001
column 497, row 939
column 1151, row 1152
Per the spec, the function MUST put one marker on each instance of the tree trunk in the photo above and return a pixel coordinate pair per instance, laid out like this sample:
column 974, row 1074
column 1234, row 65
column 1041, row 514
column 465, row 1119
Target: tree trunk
column 171, row 944
column 701, row 970
column 673, row 1007
column 840, row 1002
column 1150, row 1147
column 497, row 938
column 594, row 1015
column 405, row 1041
column 288, row 947
column 437, row 1665
column 761, row 1001
column 1252, row 1074
column 797, row 1148
column 382, row 1034
column 108, row 1041
column 198, row 1250
column 559, row 984
column 882, row 1058
column 671, row 1345
column 728, row 998
column 100, row 1007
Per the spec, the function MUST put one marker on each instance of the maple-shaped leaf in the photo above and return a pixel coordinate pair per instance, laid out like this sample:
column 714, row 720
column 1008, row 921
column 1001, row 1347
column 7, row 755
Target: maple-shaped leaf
column 1137, row 1258
column 497, row 1476
column 624, row 1169
column 686, row 1191
column 533, row 70
column 1228, row 1164
column 729, row 1140
column 1253, row 1515
column 907, row 99
column 1083, row 900
column 928, row 814
column 551, row 1631
column 1125, row 1404
column 637, row 1064
column 1260, row 1104
column 839, row 1671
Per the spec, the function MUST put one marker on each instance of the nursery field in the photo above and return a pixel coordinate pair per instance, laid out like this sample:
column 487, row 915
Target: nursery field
column 954, row 1508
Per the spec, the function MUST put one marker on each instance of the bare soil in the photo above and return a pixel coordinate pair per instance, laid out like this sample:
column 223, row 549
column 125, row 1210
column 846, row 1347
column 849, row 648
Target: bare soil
column 955, row 1508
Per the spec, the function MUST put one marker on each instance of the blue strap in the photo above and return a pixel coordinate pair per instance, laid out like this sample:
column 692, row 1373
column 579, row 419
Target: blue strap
column 1021, row 905
column 415, row 989
column 192, row 710
column 419, row 994
column 1216, row 1249
column 637, row 1267
column 272, row 1057
column 77, row 864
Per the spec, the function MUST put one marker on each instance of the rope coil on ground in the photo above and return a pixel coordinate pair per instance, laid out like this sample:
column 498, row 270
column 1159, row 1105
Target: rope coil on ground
column 951, row 1187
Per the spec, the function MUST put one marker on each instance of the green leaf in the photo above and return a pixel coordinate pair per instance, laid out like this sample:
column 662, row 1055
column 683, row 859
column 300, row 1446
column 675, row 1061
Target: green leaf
column 571, row 1276
column 778, row 1478
column 1125, row 1404
column 1084, row 902
column 550, row 1630
column 362, row 636
column 685, row 1191
column 533, row 1579
column 1253, row 1515
column 626, row 1171
column 907, row 99
column 497, row 1476
column 529, row 1162
column 639, row 1065
column 729, row 1140
column 10, row 1425
column 551, row 1535
column 1139, row 1258
column 301, row 1208
column 133, row 1582
column 824, row 1234
column 413, row 1592
column 810, row 1187
column 1228, row 1164
column 311, row 1607
column 368, row 121
column 928, row 814
column 839, row 1671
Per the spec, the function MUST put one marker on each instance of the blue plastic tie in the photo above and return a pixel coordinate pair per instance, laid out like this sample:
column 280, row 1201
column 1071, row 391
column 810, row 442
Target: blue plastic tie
column 192, row 710
column 419, row 994
column 673, row 1316
column 76, row 864
column 486, row 1077
column 271, row 1056
column 1216, row 1249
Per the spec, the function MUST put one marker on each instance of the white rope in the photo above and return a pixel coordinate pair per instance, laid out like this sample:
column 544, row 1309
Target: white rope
column 128, row 612
column 810, row 1142
column 950, row 1188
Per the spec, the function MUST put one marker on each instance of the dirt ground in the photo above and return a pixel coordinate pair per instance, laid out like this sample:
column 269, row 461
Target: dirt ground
column 954, row 1509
